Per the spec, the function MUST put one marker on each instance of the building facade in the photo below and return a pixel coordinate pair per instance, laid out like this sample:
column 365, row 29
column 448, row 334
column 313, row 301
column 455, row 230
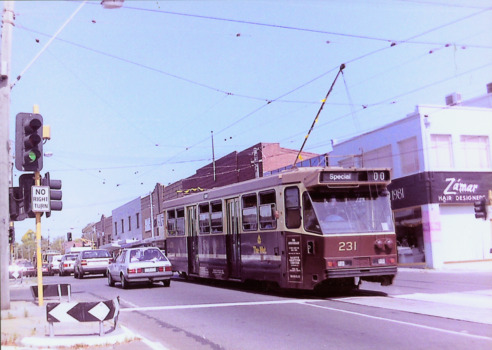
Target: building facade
column 441, row 164
column 127, row 221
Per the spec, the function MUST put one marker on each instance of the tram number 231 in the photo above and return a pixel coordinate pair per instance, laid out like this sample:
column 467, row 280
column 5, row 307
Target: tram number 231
column 347, row 246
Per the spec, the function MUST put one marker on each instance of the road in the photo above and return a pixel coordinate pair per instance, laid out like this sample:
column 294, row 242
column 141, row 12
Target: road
column 421, row 310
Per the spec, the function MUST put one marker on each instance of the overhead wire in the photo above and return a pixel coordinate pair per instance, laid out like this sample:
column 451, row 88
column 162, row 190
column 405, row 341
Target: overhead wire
column 268, row 102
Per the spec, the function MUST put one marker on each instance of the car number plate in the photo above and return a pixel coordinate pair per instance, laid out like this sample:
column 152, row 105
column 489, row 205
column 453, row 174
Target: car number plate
column 150, row 269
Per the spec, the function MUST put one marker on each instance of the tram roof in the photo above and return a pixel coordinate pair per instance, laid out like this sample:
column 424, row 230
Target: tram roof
column 289, row 176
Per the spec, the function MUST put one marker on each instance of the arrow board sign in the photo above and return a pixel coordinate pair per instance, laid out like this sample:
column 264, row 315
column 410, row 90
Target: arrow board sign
column 82, row 311
column 40, row 199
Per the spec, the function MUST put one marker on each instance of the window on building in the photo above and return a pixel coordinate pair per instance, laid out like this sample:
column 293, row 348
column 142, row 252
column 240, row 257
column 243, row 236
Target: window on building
column 129, row 223
column 379, row 157
column 476, row 151
column 348, row 162
column 441, row 152
column 122, row 226
column 409, row 156
column 250, row 212
column 116, row 228
column 138, row 220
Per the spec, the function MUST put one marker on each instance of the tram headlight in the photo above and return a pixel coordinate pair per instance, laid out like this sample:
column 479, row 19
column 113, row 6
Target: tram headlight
column 389, row 244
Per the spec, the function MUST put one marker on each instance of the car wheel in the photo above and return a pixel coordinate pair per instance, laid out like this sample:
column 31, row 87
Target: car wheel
column 110, row 279
column 124, row 282
column 166, row 283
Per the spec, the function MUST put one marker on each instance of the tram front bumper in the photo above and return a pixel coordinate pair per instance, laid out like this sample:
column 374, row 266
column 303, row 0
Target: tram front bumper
column 361, row 272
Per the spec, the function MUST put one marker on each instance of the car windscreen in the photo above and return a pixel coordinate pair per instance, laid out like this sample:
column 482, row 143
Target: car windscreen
column 92, row 254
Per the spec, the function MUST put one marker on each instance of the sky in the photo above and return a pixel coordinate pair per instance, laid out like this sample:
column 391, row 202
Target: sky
column 132, row 95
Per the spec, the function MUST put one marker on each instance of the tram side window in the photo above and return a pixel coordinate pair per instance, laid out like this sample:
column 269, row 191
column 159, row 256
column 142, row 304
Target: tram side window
column 217, row 225
column 250, row 212
column 292, row 208
column 204, row 217
column 171, row 222
column 311, row 222
column 267, row 210
column 180, row 221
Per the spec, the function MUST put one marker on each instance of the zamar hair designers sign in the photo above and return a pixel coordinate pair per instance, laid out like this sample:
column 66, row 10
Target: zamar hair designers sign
column 439, row 187
column 460, row 187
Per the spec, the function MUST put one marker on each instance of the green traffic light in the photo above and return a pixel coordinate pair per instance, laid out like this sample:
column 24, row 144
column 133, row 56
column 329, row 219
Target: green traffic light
column 32, row 156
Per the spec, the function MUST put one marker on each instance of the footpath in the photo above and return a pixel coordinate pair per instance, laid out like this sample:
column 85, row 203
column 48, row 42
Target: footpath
column 25, row 326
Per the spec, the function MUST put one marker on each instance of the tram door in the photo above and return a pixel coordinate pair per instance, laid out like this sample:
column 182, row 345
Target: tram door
column 192, row 240
column 232, row 239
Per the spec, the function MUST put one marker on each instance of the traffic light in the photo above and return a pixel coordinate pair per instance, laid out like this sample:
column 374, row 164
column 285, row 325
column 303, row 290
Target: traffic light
column 29, row 142
column 26, row 181
column 55, row 193
column 481, row 209
column 69, row 236
column 11, row 235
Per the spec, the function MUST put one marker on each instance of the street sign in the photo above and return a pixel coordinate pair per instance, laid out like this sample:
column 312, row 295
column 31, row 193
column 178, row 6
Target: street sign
column 40, row 199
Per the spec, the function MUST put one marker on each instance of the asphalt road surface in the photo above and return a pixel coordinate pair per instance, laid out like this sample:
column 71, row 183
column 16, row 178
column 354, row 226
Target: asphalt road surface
column 421, row 310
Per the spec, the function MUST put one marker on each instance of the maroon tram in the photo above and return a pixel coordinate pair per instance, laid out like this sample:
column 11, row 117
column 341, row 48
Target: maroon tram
column 302, row 229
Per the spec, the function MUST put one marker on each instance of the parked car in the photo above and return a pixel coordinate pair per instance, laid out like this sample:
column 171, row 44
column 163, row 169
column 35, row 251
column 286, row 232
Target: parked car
column 54, row 265
column 92, row 262
column 67, row 264
column 145, row 264
column 45, row 269
column 22, row 268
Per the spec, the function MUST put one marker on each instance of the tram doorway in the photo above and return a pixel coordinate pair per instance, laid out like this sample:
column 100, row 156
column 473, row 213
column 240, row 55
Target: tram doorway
column 232, row 238
column 192, row 236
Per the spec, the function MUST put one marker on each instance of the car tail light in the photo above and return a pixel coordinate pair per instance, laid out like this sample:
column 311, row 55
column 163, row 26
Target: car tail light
column 83, row 262
column 131, row 271
column 110, row 261
column 160, row 269
column 168, row 268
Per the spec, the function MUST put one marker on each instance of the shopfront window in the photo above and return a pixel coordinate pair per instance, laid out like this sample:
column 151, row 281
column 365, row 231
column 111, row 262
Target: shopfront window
column 409, row 235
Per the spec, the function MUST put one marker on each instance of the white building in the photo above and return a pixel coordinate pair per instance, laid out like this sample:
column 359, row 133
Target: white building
column 441, row 164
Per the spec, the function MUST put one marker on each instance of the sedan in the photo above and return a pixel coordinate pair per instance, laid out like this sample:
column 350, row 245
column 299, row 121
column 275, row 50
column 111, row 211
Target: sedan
column 22, row 268
column 93, row 261
column 145, row 264
column 67, row 263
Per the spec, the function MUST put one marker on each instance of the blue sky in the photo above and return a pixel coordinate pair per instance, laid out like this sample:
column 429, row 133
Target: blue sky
column 133, row 94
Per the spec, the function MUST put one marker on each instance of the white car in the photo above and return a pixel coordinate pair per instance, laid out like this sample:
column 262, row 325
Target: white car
column 67, row 264
column 144, row 264
column 92, row 262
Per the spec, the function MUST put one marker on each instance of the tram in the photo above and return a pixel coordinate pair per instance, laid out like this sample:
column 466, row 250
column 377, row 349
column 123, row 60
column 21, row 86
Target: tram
column 305, row 228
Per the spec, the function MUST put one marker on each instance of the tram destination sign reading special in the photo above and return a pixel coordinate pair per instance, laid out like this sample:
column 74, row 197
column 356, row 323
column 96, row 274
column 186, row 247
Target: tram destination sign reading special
column 351, row 176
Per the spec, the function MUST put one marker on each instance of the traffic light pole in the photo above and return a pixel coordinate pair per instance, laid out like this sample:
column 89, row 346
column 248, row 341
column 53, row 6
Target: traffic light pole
column 39, row 260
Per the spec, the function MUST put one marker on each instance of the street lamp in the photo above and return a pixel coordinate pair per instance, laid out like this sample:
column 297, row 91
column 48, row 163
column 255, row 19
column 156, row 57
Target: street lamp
column 112, row 4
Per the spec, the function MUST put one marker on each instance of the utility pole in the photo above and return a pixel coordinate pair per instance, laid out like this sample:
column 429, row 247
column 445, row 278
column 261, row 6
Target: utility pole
column 213, row 155
column 5, row 59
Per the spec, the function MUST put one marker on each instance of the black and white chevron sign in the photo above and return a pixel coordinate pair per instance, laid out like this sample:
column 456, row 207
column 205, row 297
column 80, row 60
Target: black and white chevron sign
column 83, row 311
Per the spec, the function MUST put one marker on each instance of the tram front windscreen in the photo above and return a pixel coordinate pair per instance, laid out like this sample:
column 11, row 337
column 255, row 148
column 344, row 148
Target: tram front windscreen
column 355, row 211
